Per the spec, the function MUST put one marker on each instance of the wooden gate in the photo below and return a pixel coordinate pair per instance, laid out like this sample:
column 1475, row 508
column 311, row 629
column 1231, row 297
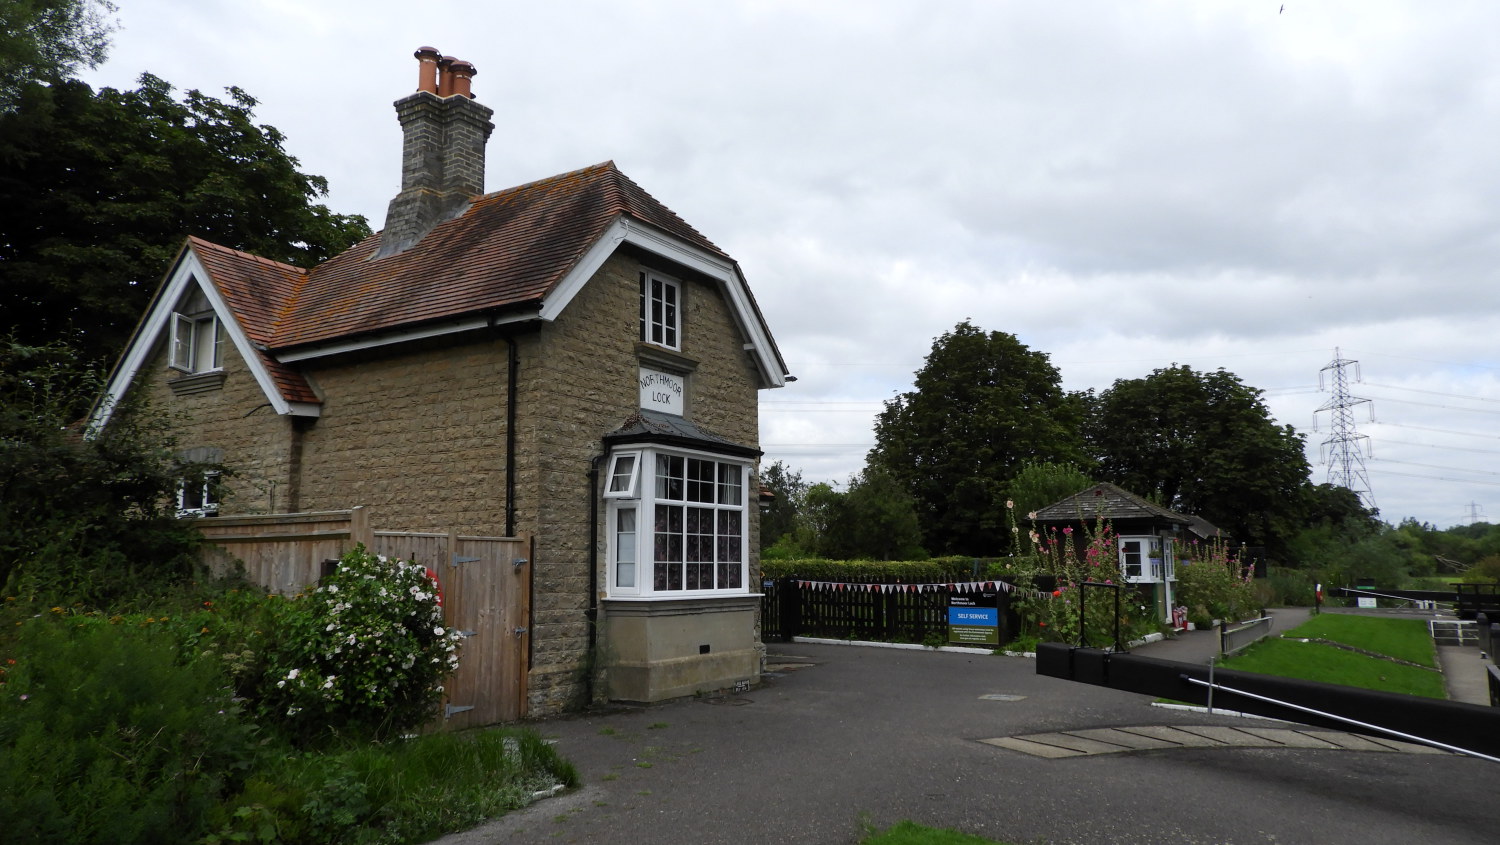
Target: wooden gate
column 486, row 584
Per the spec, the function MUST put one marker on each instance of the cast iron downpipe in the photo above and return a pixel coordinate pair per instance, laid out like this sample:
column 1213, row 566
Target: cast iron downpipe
column 593, row 612
column 513, row 365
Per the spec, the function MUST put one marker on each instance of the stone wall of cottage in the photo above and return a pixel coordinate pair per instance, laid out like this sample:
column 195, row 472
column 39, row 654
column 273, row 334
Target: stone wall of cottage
column 235, row 418
column 579, row 382
column 414, row 432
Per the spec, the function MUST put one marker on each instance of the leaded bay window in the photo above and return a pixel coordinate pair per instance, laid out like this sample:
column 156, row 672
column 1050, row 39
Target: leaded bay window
column 685, row 535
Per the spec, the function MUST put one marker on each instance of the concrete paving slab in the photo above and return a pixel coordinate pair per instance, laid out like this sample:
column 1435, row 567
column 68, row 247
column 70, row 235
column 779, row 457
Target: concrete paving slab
column 1035, row 749
column 1229, row 736
column 1176, row 736
column 1348, row 742
column 1404, row 746
column 1120, row 736
column 1290, row 738
column 1086, row 745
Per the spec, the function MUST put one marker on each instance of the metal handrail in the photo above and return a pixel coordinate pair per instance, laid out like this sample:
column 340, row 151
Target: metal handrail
column 1406, row 736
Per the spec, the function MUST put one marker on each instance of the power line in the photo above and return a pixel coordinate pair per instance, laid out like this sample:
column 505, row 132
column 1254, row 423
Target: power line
column 1436, row 446
column 1435, row 466
column 1439, row 477
column 1432, row 392
column 1444, row 407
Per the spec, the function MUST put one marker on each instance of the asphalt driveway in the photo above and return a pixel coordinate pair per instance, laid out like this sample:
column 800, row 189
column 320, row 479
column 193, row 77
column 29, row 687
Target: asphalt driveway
column 841, row 739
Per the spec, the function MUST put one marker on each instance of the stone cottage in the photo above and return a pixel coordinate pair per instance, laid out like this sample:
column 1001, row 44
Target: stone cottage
column 566, row 360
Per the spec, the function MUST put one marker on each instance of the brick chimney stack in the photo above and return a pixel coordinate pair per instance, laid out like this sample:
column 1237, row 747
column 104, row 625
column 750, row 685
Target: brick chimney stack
column 444, row 131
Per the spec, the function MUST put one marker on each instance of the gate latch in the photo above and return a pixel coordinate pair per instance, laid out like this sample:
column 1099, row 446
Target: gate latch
column 519, row 630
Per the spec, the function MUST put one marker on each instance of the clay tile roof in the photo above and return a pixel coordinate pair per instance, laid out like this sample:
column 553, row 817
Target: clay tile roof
column 257, row 290
column 1105, row 501
column 506, row 252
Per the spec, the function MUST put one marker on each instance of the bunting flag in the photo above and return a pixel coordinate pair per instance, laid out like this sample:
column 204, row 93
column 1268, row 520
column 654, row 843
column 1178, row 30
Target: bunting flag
column 951, row 587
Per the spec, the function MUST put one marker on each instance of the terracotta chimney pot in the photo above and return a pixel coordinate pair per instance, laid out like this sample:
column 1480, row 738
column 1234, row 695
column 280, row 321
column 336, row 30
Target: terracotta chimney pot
column 462, row 74
column 427, row 69
column 445, row 76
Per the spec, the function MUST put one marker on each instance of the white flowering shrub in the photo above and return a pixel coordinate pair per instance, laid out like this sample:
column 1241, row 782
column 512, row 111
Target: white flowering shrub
column 363, row 654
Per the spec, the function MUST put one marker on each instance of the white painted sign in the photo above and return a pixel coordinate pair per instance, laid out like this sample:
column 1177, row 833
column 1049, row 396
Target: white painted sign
column 662, row 391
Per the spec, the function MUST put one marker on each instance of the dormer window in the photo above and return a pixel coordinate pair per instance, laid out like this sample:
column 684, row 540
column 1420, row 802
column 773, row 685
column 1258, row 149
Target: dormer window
column 197, row 336
column 661, row 313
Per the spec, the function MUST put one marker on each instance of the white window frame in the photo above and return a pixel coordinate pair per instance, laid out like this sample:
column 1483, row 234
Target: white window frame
column 197, row 342
column 623, row 467
column 650, row 500
column 207, row 499
column 664, row 327
column 1149, row 572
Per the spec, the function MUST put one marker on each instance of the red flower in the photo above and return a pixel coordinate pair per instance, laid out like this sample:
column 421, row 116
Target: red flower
column 1056, row 593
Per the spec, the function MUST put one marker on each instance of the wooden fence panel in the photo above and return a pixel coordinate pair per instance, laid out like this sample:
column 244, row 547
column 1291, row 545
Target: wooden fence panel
column 485, row 593
column 282, row 552
column 426, row 549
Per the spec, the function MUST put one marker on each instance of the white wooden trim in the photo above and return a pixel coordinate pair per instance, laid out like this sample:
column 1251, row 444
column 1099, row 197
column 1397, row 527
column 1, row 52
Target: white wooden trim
column 323, row 350
column 188, row 271
column 731, row 280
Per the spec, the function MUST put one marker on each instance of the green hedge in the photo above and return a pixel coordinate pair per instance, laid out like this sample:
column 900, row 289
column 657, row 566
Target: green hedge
column 935, row 570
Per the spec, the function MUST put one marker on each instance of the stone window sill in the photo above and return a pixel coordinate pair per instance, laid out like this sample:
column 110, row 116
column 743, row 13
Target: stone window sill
column 197, row 383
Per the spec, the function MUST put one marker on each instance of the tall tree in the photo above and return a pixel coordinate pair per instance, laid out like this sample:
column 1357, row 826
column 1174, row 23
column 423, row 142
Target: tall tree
column 875, row 520
column 46, row 41
column 1042, row 483
column 98, row 190
column 982, row 404
column 780, row 516
column 1203, row 444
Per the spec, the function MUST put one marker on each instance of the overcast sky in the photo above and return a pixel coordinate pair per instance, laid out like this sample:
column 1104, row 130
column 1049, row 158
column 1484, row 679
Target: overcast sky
column 1122, row 186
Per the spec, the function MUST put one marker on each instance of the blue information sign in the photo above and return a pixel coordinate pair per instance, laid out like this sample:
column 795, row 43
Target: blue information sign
column 974, row 619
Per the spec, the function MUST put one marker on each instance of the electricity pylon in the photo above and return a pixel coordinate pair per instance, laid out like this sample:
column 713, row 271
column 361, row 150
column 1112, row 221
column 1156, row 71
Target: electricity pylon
column 1344, row 450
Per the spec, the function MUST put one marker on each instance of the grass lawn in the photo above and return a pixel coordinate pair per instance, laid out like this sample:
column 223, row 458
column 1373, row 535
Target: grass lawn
column 1406, row 639
column 909, row 833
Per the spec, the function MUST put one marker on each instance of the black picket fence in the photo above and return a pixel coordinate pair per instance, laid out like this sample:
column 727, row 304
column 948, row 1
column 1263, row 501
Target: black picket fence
column 863, row 611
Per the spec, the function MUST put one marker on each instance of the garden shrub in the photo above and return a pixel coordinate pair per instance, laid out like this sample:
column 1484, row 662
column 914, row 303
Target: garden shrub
column 1291, row 587
column 364, row 654
column 1057, row 616
column 89, row 519
column 406, row 791
column 1212, row 584
column 106, row 735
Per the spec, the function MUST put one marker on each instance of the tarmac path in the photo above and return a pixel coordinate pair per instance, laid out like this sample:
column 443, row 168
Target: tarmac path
column 840, row 740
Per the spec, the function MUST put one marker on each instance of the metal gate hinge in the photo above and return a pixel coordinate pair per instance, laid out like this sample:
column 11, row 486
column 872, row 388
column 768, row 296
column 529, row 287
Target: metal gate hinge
column 450, row 709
